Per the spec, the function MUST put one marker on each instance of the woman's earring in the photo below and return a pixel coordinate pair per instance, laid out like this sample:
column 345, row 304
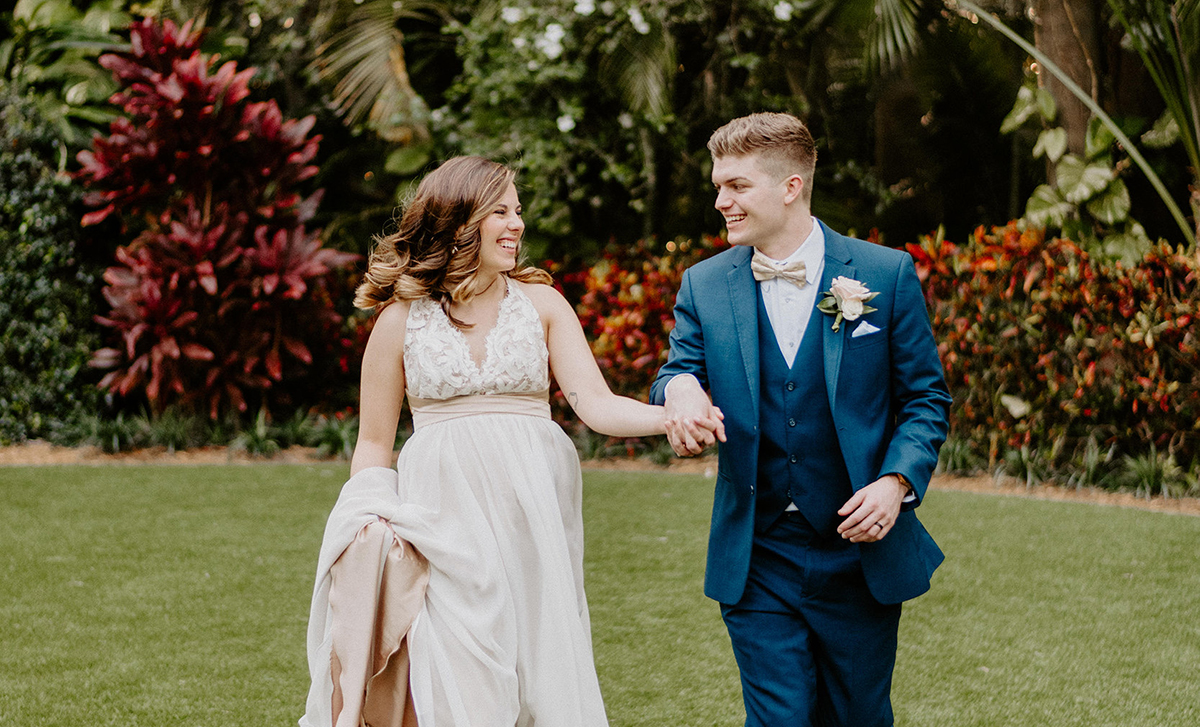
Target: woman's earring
column 454, row 249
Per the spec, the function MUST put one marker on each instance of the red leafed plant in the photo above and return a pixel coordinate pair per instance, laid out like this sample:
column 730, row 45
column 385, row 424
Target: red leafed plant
column 221, row 289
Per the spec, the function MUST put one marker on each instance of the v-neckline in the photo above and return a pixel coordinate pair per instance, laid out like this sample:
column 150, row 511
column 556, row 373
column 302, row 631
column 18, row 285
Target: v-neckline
column 479, row 366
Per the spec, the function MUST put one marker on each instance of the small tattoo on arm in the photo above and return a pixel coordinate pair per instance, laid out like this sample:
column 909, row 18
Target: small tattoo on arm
column 573, row 400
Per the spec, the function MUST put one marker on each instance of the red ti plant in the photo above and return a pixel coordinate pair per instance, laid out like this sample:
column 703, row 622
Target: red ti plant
column 221, row 289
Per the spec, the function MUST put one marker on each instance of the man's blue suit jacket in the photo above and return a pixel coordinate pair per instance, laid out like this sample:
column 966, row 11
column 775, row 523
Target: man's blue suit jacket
column 886, row 390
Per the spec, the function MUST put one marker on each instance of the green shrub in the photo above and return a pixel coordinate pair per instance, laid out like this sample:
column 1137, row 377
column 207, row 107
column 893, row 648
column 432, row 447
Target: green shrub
column 1152, row 474
column 46, row 292
column 177, row 430
column 110, row 434
column 337, row 434
column 258, row 439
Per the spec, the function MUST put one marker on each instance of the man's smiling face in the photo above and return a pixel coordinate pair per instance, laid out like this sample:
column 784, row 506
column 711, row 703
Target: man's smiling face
column 753, row 202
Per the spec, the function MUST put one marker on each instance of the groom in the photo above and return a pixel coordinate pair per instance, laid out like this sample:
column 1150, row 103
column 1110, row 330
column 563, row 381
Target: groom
column 819, row 356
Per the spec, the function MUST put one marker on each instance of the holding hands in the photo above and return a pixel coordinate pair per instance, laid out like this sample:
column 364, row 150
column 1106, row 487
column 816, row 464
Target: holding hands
column 692, row 422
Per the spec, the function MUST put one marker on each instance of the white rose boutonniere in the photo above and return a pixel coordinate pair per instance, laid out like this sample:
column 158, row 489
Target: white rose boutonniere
column 846, row 299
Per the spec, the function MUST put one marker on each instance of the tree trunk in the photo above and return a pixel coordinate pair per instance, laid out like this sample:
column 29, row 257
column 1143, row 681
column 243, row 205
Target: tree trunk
column 1068, row 31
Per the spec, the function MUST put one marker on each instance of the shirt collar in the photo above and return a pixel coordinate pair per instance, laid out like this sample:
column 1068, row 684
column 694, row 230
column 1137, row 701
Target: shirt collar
column 811, row 251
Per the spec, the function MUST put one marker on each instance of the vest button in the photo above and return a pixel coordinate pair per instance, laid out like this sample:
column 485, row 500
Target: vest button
column 793, row 459
column 791, row 422
column 791, row 386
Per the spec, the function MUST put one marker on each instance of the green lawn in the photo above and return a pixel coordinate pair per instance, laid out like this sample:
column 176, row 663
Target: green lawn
column 164, row 596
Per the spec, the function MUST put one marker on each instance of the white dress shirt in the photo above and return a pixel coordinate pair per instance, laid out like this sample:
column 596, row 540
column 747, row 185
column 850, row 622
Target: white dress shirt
column 790, row 307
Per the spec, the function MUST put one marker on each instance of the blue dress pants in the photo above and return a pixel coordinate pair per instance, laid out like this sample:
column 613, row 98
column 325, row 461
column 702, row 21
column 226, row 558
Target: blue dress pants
column 814, row 648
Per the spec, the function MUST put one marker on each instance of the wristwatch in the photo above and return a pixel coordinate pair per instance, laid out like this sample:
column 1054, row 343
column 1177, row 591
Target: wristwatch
column 904, row 481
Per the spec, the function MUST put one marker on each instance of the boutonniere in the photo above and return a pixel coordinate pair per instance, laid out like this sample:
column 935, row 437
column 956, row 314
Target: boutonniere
column 846, row 299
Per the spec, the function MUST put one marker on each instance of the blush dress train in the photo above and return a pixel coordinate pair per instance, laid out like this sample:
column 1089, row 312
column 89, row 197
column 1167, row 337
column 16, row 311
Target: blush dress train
column 490, row 494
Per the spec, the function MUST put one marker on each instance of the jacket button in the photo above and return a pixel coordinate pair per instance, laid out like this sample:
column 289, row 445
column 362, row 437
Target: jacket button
column 791, row 422
column 791, row 386
column 793, row 459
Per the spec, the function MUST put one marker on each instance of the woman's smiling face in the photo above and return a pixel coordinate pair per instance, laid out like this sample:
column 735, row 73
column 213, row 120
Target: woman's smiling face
column 500, row 234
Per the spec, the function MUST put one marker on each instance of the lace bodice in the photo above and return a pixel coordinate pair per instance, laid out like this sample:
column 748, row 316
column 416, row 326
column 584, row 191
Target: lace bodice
column 437, row 358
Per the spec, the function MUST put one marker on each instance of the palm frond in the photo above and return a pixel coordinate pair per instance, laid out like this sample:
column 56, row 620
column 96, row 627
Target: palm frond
column 887, row 29
column 892, row 36
column 366, row 59
column 643, row 72
column 1161, row 38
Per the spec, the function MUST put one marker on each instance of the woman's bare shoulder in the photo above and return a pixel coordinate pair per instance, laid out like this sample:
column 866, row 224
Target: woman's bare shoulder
column 391, row 322
column 545, row 298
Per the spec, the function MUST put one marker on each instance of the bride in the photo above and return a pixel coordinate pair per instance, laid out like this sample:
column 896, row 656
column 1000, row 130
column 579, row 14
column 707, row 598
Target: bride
column 487, row 491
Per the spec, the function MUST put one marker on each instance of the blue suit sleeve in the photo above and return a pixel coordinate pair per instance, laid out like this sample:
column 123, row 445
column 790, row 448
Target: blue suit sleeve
column 921, row 400
column 686, row 355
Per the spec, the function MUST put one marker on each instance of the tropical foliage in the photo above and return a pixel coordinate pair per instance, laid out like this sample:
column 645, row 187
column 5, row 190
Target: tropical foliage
column 606, row 108
column 222, row 287
column 1166, row 36
column 1087, row 199
column 226, row 296
column 1046, row 347
column 50, row 52
column 45, row 336
column 626, row 301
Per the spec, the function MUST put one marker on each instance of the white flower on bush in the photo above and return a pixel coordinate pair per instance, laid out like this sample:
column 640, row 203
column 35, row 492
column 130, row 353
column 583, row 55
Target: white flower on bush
column 566, row 122
column 585, row 7
column 550, row 42
column 520, row 42
column 512, row 15
column 638, row 20
column 625, row 119
column 783, row 10
column 846, row 299
column 1016, row 406
column 608, row 7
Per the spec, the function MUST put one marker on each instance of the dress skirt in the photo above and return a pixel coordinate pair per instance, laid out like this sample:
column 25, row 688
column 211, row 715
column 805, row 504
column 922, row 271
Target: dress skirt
column 493, row 502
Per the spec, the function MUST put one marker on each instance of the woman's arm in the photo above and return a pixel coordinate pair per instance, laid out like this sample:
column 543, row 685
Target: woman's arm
column 382, row 391
column 579, row 377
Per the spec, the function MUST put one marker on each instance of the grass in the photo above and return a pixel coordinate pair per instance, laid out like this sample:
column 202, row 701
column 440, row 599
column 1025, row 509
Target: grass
column 173, row 596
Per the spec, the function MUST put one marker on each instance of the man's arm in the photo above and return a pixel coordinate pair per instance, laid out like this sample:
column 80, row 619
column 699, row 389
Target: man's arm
column 693, row 423
column 923, row 404
column 918, row 387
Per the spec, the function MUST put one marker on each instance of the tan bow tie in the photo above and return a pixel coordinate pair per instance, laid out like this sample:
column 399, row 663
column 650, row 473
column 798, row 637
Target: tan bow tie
column 764, row 269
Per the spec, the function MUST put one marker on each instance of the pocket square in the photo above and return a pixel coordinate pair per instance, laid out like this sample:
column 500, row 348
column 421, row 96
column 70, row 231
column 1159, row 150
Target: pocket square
column 864, row 329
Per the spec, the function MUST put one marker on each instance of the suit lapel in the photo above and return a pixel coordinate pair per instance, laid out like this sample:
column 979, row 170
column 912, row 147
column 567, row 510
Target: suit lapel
column 837, row 263
column 743, row 299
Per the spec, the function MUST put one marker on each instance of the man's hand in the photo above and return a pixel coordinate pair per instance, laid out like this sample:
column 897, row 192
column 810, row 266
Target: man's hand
column 693, row 423
column 872, row 511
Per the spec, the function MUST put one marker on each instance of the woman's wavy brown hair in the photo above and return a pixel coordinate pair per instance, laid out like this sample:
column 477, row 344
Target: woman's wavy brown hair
column 435, row 251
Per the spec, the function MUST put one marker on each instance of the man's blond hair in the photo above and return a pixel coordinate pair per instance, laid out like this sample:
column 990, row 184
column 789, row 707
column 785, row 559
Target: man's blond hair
column 781, row 141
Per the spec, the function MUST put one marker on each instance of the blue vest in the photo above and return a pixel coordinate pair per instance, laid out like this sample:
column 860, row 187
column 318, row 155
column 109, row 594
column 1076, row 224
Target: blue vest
column 799, row 458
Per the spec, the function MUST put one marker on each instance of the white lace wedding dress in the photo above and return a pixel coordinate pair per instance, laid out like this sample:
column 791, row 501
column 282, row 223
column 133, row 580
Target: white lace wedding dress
column 493, row 488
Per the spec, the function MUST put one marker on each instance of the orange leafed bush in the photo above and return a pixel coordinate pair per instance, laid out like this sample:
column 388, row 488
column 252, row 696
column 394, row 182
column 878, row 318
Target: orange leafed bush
column 625, row 302
column 1044, row 345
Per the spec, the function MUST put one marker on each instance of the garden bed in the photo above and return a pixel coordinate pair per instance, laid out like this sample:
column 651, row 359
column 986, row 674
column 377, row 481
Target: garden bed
column 43, row 453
